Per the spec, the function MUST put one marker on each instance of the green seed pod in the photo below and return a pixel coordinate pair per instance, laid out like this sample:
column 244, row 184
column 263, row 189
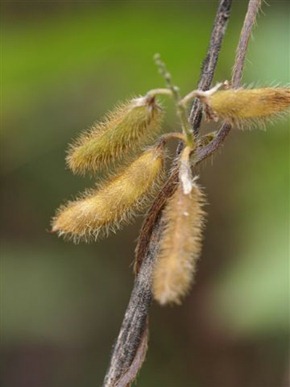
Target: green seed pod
column 180, row 246
column 127, row 128
column 115, row 202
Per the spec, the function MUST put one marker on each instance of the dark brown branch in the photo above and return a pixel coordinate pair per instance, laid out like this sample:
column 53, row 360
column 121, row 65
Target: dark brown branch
column 136, row 316
column 210, row 61
column 134, row 326
column 130, row 348
column 131, row 374
column 135, row 321
column 207, row 72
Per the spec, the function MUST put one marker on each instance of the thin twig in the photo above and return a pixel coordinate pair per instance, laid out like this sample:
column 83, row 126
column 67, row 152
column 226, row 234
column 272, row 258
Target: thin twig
column 131, row 342
column 250, row 19
column 210, row 61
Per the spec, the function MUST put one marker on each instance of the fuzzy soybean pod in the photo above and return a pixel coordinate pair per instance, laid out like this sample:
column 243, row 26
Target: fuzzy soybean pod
column 242, row 105
column 180, row 246
column 125, row 129
column 115, row 202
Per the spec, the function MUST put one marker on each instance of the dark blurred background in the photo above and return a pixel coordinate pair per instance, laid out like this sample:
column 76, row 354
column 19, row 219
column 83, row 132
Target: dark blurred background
column 64, row 65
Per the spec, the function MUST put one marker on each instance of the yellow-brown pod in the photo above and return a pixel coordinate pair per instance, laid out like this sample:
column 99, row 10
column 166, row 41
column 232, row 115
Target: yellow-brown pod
column 180, row 246
column 128, row 127
column 115, row 202
column 240, row 105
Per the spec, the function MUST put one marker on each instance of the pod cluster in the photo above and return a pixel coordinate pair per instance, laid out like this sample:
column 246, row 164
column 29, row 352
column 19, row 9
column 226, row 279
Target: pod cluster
column 116, row 201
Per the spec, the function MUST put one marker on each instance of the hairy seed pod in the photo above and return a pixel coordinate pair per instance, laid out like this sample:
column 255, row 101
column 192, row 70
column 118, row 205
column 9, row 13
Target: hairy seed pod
column 180, row 246
column 128, row 127
column 247, row 104
column 116, row 202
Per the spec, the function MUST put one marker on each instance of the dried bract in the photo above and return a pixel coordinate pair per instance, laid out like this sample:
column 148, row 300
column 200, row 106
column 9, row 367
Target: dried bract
column 185, row 175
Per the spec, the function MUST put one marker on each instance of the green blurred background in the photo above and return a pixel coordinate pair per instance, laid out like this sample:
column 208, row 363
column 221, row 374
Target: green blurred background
column 64, row 65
